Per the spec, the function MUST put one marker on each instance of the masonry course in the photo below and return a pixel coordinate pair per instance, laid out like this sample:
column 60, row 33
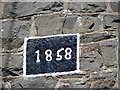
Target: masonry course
column 98, row 28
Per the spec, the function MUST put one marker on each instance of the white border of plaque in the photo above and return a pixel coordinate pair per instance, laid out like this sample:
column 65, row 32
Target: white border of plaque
column 57, row 73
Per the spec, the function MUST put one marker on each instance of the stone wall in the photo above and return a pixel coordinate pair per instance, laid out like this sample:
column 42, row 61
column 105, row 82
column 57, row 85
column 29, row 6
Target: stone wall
column 96, row 22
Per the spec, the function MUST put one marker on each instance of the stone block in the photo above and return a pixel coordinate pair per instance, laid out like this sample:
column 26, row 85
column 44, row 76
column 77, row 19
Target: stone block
column 13, row 33
column 94, row 37
column 12, row 64
column 49, row 25
column 109, row 52
column 23, row 9
column 1, row 9
column 90, row 58
column 94, row 56
column 104, row 84
column 83, row 24
column 115, row 6
column 105, row 75
column 111, row 22
column 71, row 83
column 86, row 7
column 38, row 82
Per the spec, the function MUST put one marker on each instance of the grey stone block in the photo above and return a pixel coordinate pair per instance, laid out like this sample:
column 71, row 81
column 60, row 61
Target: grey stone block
column 90, row 58
column 107, row 79
column 115, row 6
column 12, row 64
column 49, row 25
column 109, row 52
column 83, row 24
column 38, row 82
column 94, row 56
column 13, row 33
column 1, row 9
column 86, row 7
column 111, row 21
column 105, row 75
column 74, row 6
column 73, row 83
column 109, row 43
column 22, row 9
column 96, row 37
column 70, row 22
column 104, row 84
column 109, row 55
column 1, row 65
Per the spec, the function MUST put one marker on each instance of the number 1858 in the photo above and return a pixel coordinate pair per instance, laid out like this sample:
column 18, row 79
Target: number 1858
column 48, row 54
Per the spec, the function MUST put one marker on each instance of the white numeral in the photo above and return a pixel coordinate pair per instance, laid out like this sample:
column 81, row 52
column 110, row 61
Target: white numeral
column 38, row 53
column 48, row 54
column 68, row 53
column 59, row 57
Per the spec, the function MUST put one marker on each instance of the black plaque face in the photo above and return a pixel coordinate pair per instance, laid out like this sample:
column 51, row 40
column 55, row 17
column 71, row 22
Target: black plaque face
column 58, row 54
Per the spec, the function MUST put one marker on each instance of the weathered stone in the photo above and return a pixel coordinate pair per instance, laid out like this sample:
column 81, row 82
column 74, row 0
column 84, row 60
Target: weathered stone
column 0, row 65
column 111, row 21
column 103, row 84
column 108, row 43
column 87, row 6
column 13, row 33
column 0, row 29
column 38, row 82
column 12, row 64
column 90, row 58
column 1, row 73
column 98, row 47
column 1, row 9
column 74, row 6
column 109, row 52
column 93, row 56
column 76, row 24
column 21, row 9
column 0, row 35
column 109, row 55
column 96, row 37
column 72, row 83
column 104, row 75
column 94, row 22
column 49, row 25
column 70, row 22
column 115, row 6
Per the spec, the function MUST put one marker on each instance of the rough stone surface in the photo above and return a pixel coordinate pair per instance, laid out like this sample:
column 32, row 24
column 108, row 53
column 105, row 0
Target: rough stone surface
column 106, row 84
column 109, row 55
column 12, row 65
column 73, row 83
column 38, row 82
column 13, row 33
column 94, row 56
column 109, row 52
column 111, row 21
column 49, row 25
column 90, row 58
column 0, row 65
column 115, row 6
column 103, row 75
column 77, row 24
column 1, row 9
column 70, row 22
column 21, row 9
column 97, row 24
column 88, row 7
column 96, row 37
